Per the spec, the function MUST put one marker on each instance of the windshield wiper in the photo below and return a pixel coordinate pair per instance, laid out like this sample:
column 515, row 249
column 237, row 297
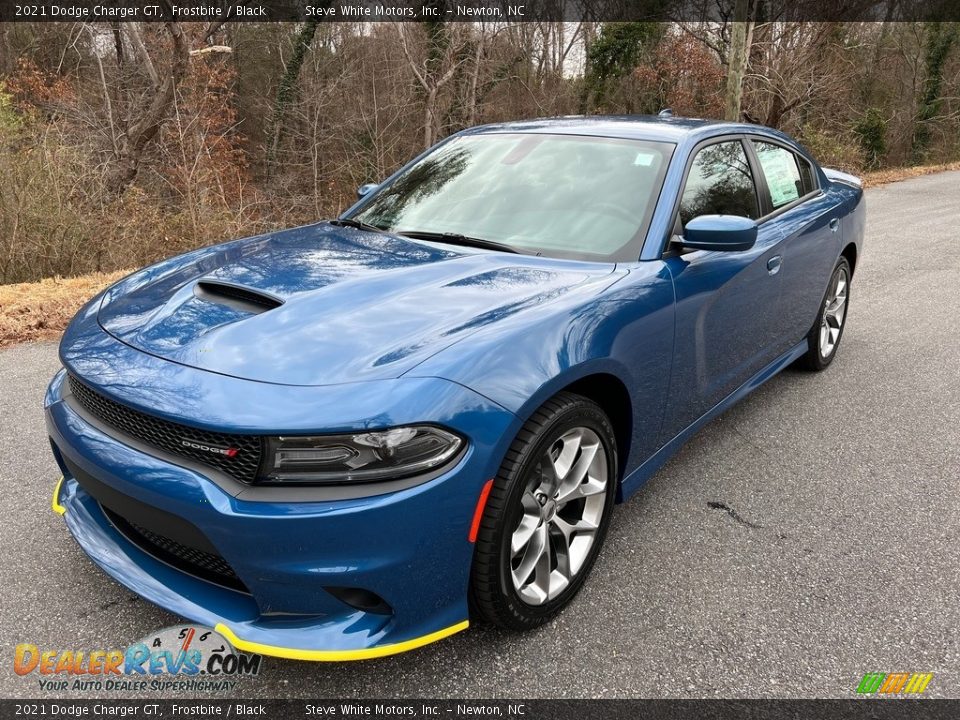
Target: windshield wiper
column 457, row 239
column 357, row 224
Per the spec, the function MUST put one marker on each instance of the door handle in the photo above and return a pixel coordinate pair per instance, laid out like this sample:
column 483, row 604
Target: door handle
column 834, row 224
column 773, row 264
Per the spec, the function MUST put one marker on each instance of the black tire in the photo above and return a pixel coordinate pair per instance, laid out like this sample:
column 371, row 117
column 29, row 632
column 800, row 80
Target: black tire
column 815, row 359
column 494, row 598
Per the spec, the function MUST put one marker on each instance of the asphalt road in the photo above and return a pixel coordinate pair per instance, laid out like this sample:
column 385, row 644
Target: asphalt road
column 838, row 555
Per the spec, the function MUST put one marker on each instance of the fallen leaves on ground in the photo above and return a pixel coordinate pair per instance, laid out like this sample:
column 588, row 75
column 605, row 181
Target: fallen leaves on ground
column 41, row 310
column 882, row 177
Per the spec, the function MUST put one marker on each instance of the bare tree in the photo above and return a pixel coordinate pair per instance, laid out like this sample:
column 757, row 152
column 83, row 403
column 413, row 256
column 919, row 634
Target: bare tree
column 438, row 67
column 234, row 128
column 145, row 119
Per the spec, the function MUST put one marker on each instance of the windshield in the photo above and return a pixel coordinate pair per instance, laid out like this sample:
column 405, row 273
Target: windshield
column 566, row 196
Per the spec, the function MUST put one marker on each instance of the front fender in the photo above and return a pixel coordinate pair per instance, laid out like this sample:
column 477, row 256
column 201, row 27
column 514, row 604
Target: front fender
column 625, row 330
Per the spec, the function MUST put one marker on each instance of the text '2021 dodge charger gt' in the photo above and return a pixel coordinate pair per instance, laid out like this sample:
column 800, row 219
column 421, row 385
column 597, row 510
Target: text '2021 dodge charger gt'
column 349, row 439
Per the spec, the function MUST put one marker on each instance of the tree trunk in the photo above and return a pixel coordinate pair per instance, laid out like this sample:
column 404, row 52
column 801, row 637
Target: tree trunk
column 429, row 115
column 737, row 61
column 475, row 80
column 778, row 108
column 438, row 42
column 117, row 42
column 138, row 136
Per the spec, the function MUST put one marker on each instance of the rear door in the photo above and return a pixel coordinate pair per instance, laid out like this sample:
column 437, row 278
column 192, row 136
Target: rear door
column 810, row 224
column 727, row 303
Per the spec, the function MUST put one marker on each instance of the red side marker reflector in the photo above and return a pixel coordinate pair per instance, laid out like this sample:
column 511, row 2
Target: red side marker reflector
column 478, row 513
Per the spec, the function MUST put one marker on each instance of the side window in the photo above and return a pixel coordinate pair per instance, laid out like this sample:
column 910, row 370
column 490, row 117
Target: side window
column 806, row 174
column 719, row 183
column 780, row 169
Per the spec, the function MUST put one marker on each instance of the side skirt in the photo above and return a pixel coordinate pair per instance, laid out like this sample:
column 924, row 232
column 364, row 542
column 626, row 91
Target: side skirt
column 638, row 478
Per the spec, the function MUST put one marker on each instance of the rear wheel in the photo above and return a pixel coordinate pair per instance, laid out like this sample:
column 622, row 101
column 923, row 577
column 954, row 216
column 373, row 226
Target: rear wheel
column 824, row 337
column 546, row 515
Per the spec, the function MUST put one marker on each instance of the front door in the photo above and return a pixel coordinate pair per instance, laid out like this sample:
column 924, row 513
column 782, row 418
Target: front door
column 728, row 304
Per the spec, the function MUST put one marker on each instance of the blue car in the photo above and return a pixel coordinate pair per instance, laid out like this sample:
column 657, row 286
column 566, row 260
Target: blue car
column 353, row 438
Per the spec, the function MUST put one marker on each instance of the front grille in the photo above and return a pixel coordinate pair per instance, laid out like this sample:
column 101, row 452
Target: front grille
column 199, row 563
column 170, row 436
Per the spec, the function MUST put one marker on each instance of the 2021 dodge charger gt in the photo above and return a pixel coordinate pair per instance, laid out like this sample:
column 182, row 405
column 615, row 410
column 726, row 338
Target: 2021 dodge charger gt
column 348, row 439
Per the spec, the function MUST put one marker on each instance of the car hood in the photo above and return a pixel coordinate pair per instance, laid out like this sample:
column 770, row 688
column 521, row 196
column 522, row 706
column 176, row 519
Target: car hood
column 321, row 304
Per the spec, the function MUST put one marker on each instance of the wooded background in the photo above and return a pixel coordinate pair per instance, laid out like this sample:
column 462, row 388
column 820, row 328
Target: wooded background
column 124, row 143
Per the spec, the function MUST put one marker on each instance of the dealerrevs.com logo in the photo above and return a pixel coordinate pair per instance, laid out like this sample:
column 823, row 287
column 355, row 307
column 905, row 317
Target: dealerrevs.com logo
column 182, row 657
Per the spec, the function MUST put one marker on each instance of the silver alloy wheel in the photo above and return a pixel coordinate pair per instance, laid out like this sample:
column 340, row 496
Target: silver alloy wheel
column 834, row 313
column 563, row 504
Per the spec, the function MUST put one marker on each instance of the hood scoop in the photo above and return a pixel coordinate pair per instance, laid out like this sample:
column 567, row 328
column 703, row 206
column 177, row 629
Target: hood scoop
column 237, row 297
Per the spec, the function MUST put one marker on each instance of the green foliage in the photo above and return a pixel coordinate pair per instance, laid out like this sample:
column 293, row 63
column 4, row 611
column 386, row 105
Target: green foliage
column 438, row 38
column 871, row 131
column 287, row 89
column 10, row 120
column 940, row 38
column 618, row 49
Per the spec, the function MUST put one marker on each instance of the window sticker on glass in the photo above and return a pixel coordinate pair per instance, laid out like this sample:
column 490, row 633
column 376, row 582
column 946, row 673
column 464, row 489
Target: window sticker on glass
column 780, row 169
column 645, row 159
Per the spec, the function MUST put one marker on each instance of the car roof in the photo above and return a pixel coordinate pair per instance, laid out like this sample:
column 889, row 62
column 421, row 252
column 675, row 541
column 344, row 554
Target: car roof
column 630, row 127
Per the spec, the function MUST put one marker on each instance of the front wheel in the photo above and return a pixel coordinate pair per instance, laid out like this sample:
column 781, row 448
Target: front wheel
column 824, row 337
column 546, row 516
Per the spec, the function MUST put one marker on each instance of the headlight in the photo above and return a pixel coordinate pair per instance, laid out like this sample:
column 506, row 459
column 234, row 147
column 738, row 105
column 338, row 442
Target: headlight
column 359, row 457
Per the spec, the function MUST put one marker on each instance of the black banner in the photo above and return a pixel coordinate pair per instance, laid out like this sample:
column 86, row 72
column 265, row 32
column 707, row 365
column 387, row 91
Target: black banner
column 877, row 709
column 471, row 10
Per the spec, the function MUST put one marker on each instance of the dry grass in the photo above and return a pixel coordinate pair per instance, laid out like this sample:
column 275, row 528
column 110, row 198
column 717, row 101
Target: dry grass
column 41, row 310
column 882, row 177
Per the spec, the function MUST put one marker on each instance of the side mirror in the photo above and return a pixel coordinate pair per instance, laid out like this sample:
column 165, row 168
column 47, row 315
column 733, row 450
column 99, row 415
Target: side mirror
column 720, row 232
column 365, row 189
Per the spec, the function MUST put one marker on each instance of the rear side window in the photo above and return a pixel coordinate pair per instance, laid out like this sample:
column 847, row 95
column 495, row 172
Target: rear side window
column 780, row 169
column 719, row 183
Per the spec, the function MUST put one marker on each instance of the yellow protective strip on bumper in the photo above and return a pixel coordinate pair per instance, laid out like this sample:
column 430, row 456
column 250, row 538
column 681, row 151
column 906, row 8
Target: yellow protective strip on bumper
column 54, row 505
column 338, row 655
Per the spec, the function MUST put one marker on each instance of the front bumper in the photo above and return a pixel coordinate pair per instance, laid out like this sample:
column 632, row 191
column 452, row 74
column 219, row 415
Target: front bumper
column 410, row 547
